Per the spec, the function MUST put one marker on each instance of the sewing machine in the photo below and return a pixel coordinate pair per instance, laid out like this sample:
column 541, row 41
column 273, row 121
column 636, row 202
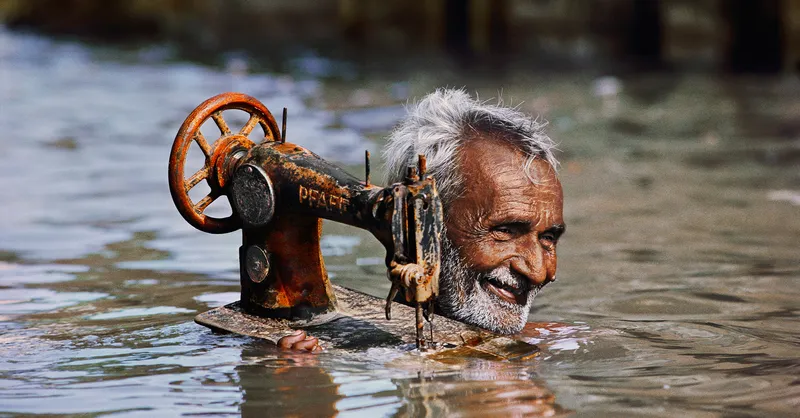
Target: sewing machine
column 279, row 193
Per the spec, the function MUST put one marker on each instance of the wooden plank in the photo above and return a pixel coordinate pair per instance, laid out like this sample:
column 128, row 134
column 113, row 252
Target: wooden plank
column 359, row 324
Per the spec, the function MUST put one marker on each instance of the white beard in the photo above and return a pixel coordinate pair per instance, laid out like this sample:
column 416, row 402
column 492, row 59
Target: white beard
column 462, row 297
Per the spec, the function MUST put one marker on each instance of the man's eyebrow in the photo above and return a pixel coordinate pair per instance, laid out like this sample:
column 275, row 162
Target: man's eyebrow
column 513, row 221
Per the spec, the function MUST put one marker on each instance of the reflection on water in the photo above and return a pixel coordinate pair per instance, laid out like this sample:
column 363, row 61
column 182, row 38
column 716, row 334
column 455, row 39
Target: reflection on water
column 271, row 386
column 677, row 289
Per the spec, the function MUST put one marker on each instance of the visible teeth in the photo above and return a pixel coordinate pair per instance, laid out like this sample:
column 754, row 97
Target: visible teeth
column 505, row 292
column 504, row 286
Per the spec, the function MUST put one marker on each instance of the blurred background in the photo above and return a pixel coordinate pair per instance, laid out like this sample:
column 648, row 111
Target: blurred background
column 714, row 35
column 678, row 123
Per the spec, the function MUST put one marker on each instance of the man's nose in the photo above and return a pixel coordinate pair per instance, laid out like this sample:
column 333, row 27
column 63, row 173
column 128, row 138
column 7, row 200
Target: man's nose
column 531, row 262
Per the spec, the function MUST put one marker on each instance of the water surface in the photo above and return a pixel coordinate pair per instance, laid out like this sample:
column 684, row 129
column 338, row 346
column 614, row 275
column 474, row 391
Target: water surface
column 677, row 290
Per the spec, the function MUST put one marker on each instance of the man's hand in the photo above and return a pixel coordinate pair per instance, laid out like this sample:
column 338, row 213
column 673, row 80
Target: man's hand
column 299, row 341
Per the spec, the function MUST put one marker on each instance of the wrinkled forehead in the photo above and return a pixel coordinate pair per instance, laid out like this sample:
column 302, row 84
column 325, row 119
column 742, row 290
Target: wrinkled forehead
column 496, row 165
column 497, row 188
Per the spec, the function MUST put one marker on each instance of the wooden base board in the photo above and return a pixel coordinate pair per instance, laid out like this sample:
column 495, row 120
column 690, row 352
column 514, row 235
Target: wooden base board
column 359, row 323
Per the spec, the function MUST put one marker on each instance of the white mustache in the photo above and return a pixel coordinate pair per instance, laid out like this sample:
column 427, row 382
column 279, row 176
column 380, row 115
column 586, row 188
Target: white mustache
column 504, row 276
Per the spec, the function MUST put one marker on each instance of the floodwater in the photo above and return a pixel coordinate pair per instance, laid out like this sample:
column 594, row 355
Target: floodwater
column 679, row 277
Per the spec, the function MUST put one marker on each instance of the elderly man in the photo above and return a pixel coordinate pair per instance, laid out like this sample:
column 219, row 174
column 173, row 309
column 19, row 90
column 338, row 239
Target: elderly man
column 495, row 171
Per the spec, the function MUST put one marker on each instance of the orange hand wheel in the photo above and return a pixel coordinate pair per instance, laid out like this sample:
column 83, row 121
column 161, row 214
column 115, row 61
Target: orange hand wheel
column 215, row 170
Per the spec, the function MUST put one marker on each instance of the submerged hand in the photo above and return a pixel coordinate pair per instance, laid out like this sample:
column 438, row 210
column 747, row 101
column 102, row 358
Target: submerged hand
column 299, row 341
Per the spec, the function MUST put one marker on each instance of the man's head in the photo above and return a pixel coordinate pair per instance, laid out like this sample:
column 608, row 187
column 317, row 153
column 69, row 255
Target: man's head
column 495, row 171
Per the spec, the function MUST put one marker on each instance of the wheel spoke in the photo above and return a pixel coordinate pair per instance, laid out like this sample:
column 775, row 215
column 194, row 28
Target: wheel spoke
column 201, row 205
column 201, row 140
column 248, row 127
column 223, row 127
column 197, row 177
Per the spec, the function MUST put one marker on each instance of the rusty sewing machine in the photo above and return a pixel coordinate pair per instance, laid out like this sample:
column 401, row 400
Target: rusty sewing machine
column 280, row 192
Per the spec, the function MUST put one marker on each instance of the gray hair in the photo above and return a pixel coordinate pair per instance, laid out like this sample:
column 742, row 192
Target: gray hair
column 439, row 124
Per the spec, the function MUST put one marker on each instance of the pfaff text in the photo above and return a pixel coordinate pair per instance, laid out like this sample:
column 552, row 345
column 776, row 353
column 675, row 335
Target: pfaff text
column 318, row 199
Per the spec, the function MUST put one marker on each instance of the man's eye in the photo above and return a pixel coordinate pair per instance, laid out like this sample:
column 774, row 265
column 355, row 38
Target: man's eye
column 548, row 240
column 510, row 230
column 503, row 232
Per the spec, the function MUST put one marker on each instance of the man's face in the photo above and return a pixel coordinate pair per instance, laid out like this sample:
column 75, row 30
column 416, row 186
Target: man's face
column 501, row 234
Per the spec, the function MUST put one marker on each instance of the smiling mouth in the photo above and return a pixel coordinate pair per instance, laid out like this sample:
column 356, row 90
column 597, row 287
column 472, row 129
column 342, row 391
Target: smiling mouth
column 517, row 294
